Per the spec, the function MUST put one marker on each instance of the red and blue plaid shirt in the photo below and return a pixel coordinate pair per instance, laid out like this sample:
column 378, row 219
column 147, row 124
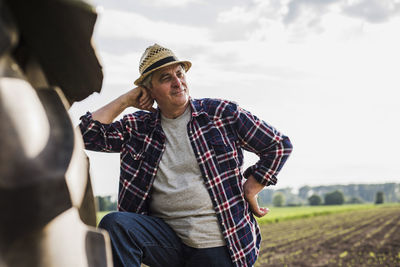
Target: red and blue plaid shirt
column 218, row 131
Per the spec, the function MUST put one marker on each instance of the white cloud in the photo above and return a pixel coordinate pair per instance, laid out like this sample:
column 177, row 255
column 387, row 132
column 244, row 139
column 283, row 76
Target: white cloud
column 297, row 20
column 237, row 13
column 375, row 11
column 171, row 3
column 247, row 22
column 118, row 24
column 121, row 68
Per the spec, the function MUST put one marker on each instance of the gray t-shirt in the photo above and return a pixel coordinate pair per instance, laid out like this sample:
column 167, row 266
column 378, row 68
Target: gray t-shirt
column 179, row 194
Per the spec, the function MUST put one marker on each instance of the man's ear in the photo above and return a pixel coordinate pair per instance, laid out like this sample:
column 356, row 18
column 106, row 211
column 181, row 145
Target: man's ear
column 150, row 92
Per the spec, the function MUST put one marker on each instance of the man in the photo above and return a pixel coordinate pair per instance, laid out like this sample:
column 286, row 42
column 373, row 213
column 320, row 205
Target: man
column 182, row 197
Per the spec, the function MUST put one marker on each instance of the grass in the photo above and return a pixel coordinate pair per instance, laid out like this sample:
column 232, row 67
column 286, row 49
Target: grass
column 100, row 215
column 278, row 214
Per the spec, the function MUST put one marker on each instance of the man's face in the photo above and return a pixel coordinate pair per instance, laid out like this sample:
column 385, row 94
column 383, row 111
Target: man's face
column 169, row 87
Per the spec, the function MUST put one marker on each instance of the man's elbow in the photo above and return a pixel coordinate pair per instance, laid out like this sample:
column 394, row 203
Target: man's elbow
column 287, row 145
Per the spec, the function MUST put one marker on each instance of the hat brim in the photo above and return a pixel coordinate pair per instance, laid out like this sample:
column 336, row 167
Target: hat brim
column 186, row 64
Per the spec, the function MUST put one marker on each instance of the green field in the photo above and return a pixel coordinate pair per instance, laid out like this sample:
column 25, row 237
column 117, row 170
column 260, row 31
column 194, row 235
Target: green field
column 100, row 214
column 289, row 213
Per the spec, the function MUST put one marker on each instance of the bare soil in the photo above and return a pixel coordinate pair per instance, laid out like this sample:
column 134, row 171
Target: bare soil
column 368, row 237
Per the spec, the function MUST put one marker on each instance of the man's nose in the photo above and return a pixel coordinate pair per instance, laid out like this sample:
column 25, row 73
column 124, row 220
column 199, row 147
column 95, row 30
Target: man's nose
column 176, row 81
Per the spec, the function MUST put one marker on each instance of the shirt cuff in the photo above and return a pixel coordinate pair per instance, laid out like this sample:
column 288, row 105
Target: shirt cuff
column 87, row 118
column 262, row 176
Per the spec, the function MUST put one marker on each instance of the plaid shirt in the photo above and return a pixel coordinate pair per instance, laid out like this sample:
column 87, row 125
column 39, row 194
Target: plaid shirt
column 218, row 131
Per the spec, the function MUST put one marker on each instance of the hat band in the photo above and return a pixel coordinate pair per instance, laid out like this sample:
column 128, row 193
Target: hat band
column 160, row 63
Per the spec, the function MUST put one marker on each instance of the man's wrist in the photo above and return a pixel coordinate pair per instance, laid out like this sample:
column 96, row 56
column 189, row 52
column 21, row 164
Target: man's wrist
column 252, row 187
column 125, row 101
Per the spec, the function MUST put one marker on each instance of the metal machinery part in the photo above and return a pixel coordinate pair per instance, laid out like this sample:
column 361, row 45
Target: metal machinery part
column 47, row 212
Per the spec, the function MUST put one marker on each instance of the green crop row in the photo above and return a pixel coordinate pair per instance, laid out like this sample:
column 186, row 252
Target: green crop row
column 278, row 214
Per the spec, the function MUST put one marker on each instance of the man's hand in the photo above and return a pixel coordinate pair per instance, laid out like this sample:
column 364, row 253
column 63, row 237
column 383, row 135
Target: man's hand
column 140, row 98
column 251, row 188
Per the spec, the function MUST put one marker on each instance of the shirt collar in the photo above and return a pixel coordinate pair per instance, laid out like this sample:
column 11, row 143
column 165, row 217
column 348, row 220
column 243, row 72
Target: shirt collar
column 156, row 119
column 196, row 107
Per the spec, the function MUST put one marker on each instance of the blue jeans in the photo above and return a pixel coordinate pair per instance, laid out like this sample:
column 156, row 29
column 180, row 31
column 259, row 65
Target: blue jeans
column 137, row 238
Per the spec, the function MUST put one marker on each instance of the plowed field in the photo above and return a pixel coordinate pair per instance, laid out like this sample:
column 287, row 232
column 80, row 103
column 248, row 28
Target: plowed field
column 369, row 237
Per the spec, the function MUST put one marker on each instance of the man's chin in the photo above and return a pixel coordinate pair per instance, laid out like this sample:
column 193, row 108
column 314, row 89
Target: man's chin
column 183, row 100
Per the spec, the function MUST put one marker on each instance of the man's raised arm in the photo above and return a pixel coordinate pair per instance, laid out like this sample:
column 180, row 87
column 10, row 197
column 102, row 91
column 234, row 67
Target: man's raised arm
column 137, row 97
column 98, row 130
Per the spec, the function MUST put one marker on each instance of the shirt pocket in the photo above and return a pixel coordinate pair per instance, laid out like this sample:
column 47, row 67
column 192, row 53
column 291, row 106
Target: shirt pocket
column 135, row 152
column 131, row 161
column 225, row 152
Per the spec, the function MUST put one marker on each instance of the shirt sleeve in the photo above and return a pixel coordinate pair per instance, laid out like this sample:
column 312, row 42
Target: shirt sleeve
column 272, row 147
column 103, row 137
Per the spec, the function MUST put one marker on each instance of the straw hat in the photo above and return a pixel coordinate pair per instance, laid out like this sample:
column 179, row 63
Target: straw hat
column 156, row 57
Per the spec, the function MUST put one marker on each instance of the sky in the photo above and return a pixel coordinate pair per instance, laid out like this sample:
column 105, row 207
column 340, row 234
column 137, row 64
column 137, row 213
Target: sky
column 323, row 72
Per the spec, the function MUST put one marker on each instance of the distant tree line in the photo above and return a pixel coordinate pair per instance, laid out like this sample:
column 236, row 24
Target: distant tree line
column 106, row 203
column 333, row 198
column 307, row 195
column 332, row 195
